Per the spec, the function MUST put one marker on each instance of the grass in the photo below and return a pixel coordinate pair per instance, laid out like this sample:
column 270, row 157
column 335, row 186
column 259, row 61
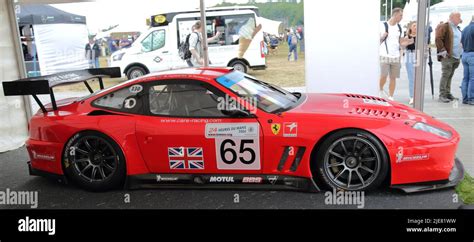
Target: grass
column 282, row 72
column 465, row 189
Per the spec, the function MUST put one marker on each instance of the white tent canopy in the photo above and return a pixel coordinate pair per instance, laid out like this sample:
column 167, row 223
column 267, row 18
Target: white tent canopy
column 410, row 12
column 59, row 36
column 270, row 26
column 440, row 12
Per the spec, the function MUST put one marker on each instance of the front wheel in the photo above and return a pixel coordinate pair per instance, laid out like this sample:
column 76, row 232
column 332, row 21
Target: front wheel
column 94, row 162
column 352, row 160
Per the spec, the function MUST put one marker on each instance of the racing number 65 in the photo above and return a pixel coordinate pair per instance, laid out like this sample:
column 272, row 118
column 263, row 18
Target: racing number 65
column 243, row 149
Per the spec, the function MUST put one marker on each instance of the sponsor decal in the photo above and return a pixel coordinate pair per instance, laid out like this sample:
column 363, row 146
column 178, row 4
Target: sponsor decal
column 37, row 225
column 237, row 145
column 64, row 77
column 276, row 129
column 160, row 19
column 290, row 130
column 157, row 59
column 136, row 89
column 415, row 157
column 130, row 103
column 181, row 158
column 376, row 102
column 47, row 157
column 406, row 158
column 399, row 154
column 231, row 130
column 253, row 180
column 272, row 179
column 221, row 179
column 160, row 178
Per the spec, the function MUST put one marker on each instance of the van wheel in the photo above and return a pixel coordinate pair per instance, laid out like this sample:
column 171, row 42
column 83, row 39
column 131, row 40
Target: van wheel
column 239, row 66
column 136, row 72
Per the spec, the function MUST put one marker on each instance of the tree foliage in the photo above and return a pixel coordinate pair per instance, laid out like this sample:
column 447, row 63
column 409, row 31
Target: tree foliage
column 292, row 14
column 398, row 4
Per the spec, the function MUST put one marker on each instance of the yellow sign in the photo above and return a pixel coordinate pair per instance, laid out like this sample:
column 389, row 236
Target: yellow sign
column 276, row 128
column 160, row 19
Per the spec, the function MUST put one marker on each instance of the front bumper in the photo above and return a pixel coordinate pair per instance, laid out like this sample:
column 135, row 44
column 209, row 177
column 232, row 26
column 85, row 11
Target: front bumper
column 457, row 174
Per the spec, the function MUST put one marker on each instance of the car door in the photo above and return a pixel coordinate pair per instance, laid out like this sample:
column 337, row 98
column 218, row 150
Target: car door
column 186, row 131
column 154, row 53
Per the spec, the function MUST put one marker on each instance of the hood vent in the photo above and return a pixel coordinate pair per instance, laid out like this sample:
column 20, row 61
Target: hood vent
column 366, row 97
column 376, row 113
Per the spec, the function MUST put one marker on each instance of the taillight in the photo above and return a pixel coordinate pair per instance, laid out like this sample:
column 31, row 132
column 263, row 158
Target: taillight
column 262, row 47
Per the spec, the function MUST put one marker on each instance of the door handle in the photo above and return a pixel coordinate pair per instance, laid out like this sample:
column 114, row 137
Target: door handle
column 165, row 52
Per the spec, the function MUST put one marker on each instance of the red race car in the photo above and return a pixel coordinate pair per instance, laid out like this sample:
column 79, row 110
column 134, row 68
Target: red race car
column 219, row 128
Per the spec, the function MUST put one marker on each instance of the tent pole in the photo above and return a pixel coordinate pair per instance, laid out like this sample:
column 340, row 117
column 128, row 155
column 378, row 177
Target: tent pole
column 204, row 33
column 18, row 51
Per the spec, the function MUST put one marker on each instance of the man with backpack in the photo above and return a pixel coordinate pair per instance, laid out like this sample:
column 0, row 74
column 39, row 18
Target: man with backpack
column 192, row 50
column 391, row 42
column 293, row 44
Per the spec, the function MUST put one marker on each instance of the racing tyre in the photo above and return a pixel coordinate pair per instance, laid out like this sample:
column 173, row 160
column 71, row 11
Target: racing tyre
column 352, row 160
column 239, row 66
column 136, row 72
column 94, row 162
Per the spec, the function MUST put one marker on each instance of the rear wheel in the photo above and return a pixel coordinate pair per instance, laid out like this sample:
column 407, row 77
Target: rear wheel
column 94, row 162
column 136, row 72
column 239, row 65
column 352, row 160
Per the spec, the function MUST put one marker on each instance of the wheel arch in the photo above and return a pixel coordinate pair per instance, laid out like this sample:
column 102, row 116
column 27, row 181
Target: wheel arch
column 318, row 144
column 238, row 59
column 63, row 150
column 135, row 64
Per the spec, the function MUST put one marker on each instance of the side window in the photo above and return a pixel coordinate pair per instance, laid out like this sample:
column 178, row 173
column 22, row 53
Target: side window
column 231, row 27
column 125, row 100
column 185, row 100
column 154, row 41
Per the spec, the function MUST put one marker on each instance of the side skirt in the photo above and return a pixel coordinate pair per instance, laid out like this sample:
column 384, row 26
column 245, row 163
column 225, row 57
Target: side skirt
column 219, row 181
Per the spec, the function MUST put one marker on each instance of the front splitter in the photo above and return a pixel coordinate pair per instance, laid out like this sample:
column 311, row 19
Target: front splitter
column 457, row 174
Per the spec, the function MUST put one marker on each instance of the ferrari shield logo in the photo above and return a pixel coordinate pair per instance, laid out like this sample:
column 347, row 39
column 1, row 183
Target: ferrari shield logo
column 276, row 128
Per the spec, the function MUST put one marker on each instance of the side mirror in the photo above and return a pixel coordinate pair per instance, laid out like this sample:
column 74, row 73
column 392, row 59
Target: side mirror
column 236, row 113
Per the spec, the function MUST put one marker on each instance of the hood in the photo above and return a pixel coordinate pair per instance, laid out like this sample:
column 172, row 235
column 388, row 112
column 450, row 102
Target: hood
column 354, row 105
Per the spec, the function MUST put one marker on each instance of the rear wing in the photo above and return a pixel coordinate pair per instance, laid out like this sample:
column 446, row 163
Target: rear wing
column 44, row 84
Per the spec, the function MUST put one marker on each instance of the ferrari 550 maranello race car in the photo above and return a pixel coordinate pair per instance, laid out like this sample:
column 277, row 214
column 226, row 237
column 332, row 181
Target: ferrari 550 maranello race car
column 219, row 128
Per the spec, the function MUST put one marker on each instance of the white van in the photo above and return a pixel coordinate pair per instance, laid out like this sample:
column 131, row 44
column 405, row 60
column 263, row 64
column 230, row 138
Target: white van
column 157, row 48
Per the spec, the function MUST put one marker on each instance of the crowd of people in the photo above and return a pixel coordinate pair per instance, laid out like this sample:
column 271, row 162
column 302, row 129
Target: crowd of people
column 453, row 47
column 105, row 47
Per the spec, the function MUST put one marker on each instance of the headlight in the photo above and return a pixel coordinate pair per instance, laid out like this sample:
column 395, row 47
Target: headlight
column 433, row 130
column 118, row 57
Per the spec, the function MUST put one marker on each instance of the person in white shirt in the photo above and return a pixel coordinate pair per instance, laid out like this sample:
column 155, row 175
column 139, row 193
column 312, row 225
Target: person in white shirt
column 391, row 42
